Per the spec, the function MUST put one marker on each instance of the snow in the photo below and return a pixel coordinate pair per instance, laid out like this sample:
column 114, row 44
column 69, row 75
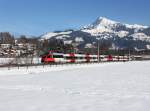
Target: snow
column 65, row 33
column 105, row 22
column 52, row 34
column 34, row 60
column 110, row 23
column 88, row 45
column 5, row 60
column 49, row 35
column 102, row 24
column 148, row 46
column 93, row 87
column 122, row 33
column 62, row 37
column 141, row 36
column 67, row 41
column 79, row 39
column 136, row 26
column 96, row 32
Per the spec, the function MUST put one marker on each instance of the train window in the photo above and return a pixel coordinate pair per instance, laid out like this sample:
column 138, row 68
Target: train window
column 71, row 57
column 94, row 57
column 88, row 57
column 68, row 57
column 58, row 56
column 80, row 57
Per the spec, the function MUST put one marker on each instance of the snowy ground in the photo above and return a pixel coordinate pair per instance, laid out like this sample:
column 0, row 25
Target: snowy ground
column 96, row 87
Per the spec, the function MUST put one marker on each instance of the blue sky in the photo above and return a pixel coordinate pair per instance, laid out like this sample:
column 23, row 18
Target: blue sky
column 35, row 17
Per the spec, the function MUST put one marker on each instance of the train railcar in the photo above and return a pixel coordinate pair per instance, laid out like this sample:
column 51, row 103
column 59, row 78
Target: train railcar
column 77, row 58
column 70, row 58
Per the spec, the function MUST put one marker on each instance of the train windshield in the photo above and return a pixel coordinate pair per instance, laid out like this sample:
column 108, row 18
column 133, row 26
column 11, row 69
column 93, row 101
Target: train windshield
column 49, row 56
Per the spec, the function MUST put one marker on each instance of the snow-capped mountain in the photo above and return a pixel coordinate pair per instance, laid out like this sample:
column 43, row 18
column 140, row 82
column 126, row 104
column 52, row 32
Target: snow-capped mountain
column 119, row 34
column 104, row 25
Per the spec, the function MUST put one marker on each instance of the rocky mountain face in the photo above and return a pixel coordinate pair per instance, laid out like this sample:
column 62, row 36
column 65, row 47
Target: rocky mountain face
column 110, row 33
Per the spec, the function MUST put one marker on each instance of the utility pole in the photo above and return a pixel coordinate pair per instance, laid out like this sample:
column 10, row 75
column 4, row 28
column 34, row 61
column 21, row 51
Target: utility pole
column 129, row 55
column 98, row 52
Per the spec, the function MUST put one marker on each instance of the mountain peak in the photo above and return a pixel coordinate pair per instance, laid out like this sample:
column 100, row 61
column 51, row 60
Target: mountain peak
column 105, row 24
column 104, row 20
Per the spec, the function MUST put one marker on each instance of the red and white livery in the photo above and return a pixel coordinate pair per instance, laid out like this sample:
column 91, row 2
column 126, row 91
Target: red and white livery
column 79, row 58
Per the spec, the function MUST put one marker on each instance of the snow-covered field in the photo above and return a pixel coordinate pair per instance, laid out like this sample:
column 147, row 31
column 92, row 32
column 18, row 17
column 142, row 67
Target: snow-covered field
column 34, row 60
column 95, row 87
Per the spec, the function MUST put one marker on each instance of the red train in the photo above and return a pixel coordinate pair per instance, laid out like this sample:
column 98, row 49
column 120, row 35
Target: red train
column 78, row 58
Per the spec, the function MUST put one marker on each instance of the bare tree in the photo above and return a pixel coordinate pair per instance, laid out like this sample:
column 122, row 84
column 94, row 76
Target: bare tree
column 6, row 38
column 23, row 39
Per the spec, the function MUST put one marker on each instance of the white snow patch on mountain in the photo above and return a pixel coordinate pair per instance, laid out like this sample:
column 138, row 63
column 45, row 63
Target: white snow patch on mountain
column 65, row 33
column 79, row 39
column 148, row 46
column 68, row 41
column 102, row 21
column 136, row 26
column 52, row 34
column 62, row 37
column 140, row 36
column 97, row 31
column 122, row 33
column 49, row 35
column 88, row 45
